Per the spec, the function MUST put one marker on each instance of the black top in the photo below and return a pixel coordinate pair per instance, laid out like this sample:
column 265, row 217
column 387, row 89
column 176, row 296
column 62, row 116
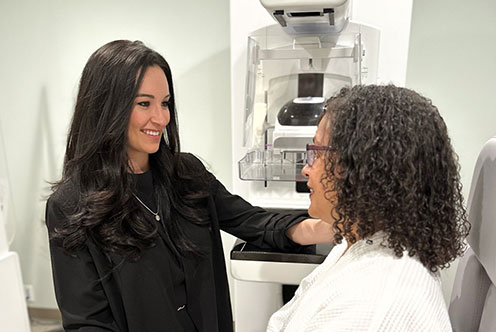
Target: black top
column 94, row 294
column 146, row 193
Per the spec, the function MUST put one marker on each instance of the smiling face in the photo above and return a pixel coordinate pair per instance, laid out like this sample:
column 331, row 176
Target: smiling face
column 149, row 117
column 320, row 207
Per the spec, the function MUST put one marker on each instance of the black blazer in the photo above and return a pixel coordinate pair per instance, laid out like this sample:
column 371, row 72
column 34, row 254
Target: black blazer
column 94, row 294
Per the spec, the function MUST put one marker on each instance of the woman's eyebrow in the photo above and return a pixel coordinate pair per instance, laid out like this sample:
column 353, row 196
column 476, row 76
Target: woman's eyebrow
column 145, row 95
column 149, row 95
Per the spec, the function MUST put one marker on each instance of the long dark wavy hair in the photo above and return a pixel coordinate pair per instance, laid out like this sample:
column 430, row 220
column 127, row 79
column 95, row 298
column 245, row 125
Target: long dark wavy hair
column 391, row 168
column 96, row 162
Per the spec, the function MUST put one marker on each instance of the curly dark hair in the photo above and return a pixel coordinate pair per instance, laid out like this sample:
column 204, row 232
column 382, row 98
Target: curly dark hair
column 391, row 168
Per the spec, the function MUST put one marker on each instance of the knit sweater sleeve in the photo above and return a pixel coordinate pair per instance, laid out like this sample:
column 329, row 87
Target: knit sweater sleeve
column 368, row 289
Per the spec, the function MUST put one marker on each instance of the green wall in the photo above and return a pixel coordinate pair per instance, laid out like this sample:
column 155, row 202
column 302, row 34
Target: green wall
column 452, row 60
column 44, row 46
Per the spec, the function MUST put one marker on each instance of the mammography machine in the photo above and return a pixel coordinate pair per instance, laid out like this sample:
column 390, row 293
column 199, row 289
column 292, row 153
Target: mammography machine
column 280, row 80
column 293, row 66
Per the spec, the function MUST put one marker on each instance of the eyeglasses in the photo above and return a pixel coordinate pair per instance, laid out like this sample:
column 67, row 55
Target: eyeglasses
column 312, row 152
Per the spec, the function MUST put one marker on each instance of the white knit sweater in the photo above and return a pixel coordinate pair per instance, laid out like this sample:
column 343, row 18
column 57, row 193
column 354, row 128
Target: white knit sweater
column 367, row 289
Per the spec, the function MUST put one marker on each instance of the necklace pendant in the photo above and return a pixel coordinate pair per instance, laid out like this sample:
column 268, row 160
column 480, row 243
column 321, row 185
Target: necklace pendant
column 157, row 217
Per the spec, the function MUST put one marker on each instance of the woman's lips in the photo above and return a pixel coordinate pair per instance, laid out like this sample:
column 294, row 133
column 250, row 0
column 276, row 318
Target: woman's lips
column 153, row 134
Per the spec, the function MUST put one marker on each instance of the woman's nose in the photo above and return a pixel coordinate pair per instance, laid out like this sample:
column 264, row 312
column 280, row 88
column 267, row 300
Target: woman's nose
column 161, row 116
column 305, row 171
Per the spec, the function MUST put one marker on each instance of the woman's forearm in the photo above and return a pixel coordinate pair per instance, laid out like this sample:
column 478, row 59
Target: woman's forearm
column 311, row 231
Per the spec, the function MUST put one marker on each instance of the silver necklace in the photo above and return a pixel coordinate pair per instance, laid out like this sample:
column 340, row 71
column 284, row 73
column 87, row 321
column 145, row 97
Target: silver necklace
column 157, row 217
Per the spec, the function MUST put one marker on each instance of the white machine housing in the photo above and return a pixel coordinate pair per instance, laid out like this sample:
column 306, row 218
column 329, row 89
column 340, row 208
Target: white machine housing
column 13, row 308
column 309, row 17
column 275, row 62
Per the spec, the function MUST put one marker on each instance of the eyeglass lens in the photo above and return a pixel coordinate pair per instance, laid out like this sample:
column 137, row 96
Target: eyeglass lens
column 311, row 157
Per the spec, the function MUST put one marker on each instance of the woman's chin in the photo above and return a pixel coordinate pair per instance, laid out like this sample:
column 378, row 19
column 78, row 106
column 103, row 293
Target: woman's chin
column 312, row 213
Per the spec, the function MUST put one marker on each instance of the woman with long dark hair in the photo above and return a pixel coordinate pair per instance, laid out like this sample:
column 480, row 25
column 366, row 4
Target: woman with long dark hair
column 134, row 224
column 383, row 173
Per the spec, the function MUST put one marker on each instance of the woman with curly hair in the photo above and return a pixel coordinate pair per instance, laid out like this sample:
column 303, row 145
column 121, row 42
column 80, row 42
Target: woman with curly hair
column 384, row 174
